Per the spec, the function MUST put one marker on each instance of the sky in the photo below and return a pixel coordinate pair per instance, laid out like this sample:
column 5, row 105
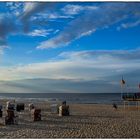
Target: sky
column 69, row 47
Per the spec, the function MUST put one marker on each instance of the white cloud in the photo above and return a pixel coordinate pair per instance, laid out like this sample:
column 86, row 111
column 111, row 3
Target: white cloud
column 17, row 13
column 47, row 16
column 129, row 25
column 7, row 27
column 57, row 86
column 51, row 43
column 29, row 6
column 76, row 9
column 62, row 40
column 87, row 33
column 54, row 16
column 41, row 32
column 2, row 48
column 14, row 5
column 15, row 8
column 56, row 31
column 32, row 8
column 75, row 72
column 117, row 54
column 86, row 65
column 105, row 16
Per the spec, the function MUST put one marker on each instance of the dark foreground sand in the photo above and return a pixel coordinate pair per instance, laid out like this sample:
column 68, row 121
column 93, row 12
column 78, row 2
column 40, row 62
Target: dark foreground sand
column 86, row 121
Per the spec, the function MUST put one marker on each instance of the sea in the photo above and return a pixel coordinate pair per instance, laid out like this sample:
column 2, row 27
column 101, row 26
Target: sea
column 86, row 98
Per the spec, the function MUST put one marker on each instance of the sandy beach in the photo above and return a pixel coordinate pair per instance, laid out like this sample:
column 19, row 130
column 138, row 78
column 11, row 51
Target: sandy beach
column 85, row 121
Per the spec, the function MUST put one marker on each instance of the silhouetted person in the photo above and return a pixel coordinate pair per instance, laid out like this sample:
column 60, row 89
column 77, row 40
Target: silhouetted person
column 64, row 103
column 115, row 106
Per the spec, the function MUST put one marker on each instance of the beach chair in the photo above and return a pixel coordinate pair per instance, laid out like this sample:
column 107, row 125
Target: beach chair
column 1, row 112
column 31, row 106
column 64, row 110
column 36, row 114
column 10, row 106
column 19, row 107
column 10, row 118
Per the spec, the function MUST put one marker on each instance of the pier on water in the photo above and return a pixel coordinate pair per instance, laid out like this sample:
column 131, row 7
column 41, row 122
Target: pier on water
column 131, row 101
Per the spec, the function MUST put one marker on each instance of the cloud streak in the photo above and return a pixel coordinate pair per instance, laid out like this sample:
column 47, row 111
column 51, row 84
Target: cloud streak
column 117, row 54
column 40, row 32
column 76, row 9
column 82, row 71
column 107, row 15
column 56, row 86
column 7, row 26
column 31, row 9
column 18, row 17
column 83, row 65
column 129, row 25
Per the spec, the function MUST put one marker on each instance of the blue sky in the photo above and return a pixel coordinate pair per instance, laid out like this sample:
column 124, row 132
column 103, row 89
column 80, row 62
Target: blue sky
column 69, row 46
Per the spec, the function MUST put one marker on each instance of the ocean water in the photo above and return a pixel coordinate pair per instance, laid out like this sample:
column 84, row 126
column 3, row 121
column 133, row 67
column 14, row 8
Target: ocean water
column 92, row 98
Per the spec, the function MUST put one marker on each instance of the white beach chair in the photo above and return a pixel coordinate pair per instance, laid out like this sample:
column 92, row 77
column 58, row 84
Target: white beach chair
column 64, row 110
column 31, row 106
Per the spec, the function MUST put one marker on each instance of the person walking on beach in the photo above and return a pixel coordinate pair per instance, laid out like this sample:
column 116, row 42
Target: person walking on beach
column 115, row 106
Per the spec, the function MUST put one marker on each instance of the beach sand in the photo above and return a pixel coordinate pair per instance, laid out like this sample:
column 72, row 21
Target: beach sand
column 85, row 121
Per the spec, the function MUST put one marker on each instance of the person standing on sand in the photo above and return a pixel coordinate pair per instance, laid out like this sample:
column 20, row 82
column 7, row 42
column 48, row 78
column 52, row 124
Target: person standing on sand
column 115, row 106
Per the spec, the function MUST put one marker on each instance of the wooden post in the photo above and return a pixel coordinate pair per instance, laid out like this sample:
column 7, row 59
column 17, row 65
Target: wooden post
column 124, row 104
column 121, row 91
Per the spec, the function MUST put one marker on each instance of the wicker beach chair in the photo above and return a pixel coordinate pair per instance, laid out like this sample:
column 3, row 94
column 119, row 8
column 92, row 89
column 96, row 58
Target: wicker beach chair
column 20, row 106
column 36, row 114
column 64, row 110
column 11, row 118
column 10, row 106
column 31, row 106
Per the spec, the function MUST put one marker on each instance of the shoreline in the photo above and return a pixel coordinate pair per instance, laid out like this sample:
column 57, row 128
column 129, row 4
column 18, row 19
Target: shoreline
column 56, row 100
column 71, row 98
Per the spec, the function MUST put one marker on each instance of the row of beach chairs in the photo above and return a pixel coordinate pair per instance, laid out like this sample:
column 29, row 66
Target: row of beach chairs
column 11, row 118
